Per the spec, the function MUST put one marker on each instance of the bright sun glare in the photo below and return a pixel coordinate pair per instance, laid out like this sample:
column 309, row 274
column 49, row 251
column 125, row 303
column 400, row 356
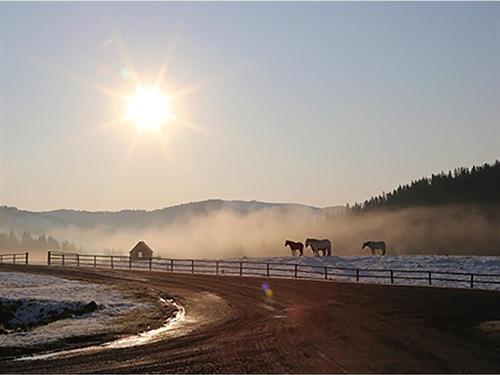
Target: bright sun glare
column 148, row 108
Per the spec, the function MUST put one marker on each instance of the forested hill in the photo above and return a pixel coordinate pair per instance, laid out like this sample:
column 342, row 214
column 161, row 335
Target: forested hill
column 477, row 185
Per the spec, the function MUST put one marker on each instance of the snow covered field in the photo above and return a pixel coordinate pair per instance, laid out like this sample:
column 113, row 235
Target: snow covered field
column 468, row 264
column 482, row 272
column 376, row 269
column 39, row 296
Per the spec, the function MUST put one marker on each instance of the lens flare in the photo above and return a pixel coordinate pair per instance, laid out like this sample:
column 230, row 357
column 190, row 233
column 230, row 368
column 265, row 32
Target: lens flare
column 125, row 74
column 267, row 290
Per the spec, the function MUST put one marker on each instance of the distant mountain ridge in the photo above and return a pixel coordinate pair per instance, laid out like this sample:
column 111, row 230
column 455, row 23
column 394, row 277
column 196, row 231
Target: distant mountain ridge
column 12, row 218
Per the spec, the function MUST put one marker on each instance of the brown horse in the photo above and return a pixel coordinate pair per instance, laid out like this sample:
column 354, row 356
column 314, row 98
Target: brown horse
column 294, row 247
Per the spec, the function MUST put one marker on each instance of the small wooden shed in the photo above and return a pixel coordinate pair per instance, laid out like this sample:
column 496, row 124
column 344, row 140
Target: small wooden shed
column 141, row 251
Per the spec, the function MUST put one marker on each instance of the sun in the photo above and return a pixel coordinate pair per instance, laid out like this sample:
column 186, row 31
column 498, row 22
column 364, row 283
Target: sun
column 148, row 108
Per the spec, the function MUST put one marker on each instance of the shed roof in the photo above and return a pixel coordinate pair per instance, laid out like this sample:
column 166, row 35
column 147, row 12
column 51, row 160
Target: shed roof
column 142, row 246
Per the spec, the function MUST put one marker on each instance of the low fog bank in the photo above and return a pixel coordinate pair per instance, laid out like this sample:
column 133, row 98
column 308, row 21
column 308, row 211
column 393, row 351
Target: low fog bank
column 445, row 230
column 457, row 230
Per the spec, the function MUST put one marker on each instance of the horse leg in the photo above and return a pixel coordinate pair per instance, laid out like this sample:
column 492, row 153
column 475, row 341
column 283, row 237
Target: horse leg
column 373, row 251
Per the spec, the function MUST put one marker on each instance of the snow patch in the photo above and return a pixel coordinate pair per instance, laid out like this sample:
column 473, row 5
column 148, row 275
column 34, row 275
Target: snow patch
column 142, row 338
column 41, row 295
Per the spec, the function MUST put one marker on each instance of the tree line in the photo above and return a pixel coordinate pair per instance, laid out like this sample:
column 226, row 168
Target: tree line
column 27, row 242
column 477, row 185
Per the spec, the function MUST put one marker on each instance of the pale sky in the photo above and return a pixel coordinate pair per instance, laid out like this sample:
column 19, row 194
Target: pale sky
column 320, row 104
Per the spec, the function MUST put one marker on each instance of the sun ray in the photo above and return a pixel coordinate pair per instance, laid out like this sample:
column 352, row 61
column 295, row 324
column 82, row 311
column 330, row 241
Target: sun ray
column 191, row 125
column 125, row 54
column 209, row 81
column 105, row 90
column 131, row 147
column 147, row 107
column 82, row 79
column 194, row 87
column 105, row 125
column 162, row 140
column 168, row 56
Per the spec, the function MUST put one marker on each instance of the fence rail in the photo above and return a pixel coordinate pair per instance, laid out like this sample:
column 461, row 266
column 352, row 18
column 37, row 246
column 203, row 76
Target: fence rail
column 278, row 270
column 14, row 258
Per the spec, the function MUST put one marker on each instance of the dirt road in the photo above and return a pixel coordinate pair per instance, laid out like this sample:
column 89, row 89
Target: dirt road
column 232, row 326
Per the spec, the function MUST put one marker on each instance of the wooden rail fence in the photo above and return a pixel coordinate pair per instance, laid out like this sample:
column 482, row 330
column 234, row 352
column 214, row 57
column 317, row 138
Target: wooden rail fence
column 14, row 258
column 277, row 270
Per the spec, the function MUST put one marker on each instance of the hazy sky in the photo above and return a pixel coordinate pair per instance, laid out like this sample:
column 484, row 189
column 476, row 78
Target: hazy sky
column 322, row 103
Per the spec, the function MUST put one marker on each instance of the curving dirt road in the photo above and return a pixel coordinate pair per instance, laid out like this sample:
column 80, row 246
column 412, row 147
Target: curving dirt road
column 305, row 327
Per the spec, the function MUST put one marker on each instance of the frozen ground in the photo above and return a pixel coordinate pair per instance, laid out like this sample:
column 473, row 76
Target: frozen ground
column 468, row 264
column 40, row 296
column 425, row 270
column 375, row 269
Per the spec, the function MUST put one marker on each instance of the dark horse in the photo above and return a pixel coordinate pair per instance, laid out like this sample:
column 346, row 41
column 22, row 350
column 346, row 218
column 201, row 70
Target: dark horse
column 374, row 245
column 295, row 246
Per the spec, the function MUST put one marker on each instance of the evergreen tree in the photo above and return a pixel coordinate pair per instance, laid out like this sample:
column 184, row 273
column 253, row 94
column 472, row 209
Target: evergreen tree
column 477, row 185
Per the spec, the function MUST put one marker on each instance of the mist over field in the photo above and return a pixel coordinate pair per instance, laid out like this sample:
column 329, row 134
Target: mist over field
column 445, row 230
column 229, row 231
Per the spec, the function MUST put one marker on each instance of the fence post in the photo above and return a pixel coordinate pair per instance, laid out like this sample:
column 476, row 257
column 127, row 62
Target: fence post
column 48, row 257
column 130, row 262
column 95, row 261
column 295, row 271
column 267, row 269
column 241, row 268
column 326, row 273
column 63, row 260
column 192, row 266
column 430, row 278
column 171, row 265
column 472, row 280
column 357, row 274
column 14, row 258
column 217, row 267
column 27, row 255
column 78, row 260
column 150, row 264
column 1, row 258
column 392, row 277
column 111, row 261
